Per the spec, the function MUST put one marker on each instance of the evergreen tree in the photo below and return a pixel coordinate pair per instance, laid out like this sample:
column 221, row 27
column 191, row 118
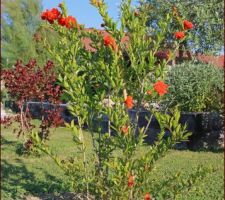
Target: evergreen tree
column 20, row 20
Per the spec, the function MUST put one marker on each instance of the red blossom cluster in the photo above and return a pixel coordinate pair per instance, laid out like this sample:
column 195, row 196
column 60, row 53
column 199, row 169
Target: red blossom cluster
column 69, row 21
column 130, row 182
column 50, row 15
column 125, row 130
column 55, row 15
column 160, row 87
column 129, row 102
column 187, row 25
column 109, row 41
column 181, row 34
column 147, row 196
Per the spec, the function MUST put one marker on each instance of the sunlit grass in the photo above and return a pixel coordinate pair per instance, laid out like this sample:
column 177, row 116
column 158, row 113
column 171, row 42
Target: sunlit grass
column 24, row 175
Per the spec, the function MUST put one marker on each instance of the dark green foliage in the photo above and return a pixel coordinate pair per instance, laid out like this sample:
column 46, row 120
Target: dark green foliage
column 206, row 15
column 196, row 87
column 44, row 34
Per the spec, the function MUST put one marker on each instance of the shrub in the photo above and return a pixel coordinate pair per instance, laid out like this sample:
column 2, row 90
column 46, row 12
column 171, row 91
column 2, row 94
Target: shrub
column 31, row 82
column 89, row 77
column 196, row 87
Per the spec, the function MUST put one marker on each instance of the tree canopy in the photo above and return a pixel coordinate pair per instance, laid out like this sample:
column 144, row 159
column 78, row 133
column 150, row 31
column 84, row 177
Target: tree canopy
column 20, row 21
column 206, row 15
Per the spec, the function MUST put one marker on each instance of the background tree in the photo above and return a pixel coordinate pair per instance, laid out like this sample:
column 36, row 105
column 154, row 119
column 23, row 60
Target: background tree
column 20, row 22
column 206, row 15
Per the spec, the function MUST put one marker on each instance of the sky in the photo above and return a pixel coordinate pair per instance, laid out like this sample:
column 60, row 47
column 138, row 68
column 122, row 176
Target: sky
column 84, row 12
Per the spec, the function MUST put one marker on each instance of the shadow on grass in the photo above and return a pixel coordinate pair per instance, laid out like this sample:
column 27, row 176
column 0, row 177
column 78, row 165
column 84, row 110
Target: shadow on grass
column 212, row 150
column 17, row 180
column 7, row 142
column 18, row 146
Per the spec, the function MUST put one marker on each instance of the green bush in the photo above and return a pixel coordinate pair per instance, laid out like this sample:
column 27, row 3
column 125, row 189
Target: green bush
column 5, row 96
column 196, row 87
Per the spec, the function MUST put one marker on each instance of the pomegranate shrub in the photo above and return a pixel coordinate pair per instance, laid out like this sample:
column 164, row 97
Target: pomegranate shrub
column 107, row 73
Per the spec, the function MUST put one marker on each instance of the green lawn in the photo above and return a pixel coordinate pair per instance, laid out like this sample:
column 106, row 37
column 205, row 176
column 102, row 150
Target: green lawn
column 23, row 176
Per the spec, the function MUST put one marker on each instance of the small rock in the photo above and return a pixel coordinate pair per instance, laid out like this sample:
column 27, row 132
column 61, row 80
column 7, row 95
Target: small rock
column 108, row 103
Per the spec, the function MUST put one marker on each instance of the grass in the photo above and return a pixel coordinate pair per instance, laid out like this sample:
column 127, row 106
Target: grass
column 22, row 176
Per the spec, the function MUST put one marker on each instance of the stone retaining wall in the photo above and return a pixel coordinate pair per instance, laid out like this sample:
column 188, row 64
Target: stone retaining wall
column 207, row 128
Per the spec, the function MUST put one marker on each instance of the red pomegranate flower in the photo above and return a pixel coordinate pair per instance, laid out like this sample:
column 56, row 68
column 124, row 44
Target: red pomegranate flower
column 187, row 25
column 109, row 41
column 62, row 21
column 44, row 15
column 179, row 35
column 50, row 15
column 129, row 102
column 125, row 129
column 147, row 196
column 130, row 182
column 55, row 13
column 70, row 22
column 161, row 88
